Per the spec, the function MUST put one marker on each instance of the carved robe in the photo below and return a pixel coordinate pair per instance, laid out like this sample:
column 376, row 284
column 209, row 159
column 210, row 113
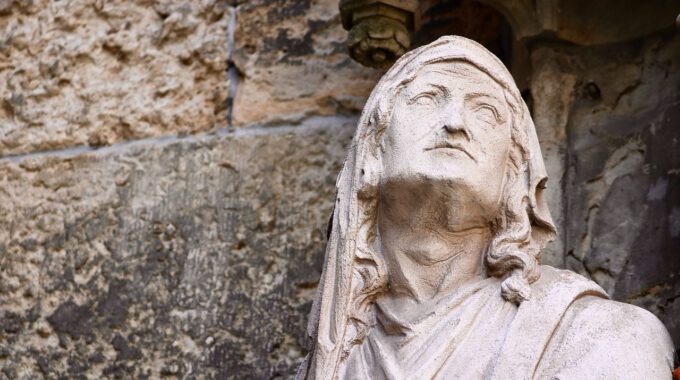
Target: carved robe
column 565, row 331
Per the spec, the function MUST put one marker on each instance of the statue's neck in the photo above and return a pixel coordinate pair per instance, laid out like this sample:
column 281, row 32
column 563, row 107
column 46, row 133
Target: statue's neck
column 433, row 236
column 425, row 263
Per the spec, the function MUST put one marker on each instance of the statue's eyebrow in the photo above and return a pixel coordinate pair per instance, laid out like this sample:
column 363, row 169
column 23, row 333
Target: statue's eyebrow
column 439, row 87
column 477, row 95
column 419, row 89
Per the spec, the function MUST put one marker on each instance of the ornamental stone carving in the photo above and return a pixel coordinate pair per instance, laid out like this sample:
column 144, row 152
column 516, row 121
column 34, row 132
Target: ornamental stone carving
column 432, row 268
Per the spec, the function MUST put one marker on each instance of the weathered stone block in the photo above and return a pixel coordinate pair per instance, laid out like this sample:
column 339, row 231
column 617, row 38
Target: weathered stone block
column 293, row 63
column 98, row 72
column 197, row 257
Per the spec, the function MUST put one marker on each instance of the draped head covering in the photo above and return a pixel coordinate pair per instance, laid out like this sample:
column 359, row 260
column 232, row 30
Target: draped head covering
column 353, row 270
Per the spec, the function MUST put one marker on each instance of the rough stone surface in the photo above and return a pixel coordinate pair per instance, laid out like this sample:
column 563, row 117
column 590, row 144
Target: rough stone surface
column 620, row 110
column 182, row 259
column 78, row 72
column 293, row 63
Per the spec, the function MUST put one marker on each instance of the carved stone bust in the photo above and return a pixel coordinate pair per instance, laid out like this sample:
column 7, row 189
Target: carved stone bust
column 432, row 267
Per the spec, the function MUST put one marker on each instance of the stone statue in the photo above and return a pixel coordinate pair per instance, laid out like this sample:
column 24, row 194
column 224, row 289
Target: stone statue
column 432, row 268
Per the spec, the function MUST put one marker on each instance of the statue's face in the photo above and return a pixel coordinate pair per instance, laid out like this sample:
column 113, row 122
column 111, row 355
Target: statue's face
column 451, row 125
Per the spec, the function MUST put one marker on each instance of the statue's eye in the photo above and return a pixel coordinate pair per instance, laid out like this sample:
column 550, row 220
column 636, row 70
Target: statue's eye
column 425, row 99
column 487, row 114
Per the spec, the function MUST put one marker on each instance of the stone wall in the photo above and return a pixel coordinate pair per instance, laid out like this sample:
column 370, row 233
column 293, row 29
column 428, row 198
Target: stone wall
column 167, row 174
column 167, row 171
column 180, row 258
column 100, row 72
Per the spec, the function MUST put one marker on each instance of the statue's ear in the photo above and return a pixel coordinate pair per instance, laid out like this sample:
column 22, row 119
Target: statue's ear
column 543, row 228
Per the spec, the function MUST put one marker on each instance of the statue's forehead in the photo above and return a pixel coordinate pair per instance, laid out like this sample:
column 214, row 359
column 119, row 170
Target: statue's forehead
column 452, row 72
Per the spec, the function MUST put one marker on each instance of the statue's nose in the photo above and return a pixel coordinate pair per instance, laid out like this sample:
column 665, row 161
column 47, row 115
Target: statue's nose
column 454, row 124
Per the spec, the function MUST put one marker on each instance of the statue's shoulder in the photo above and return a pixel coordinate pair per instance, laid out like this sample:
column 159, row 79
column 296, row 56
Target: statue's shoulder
column 569, row 329
column 608, row 337
column 588, row 302
column 591, row 309
column 558, row 289
column 619, row 324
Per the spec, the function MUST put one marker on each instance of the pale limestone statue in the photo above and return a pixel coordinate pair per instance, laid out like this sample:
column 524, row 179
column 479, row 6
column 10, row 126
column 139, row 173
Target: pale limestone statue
column 432, row 268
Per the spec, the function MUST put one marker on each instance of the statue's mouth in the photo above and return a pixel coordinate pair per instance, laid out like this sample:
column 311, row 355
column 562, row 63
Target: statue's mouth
column 447, row 146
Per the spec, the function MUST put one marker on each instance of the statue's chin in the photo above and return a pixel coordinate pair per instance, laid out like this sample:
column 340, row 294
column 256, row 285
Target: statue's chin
column 438, row 209
column 442, row 164
column 447, row 204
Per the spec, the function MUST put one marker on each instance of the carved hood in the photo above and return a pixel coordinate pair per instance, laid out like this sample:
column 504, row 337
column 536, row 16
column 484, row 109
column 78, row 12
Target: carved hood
column 332, row 323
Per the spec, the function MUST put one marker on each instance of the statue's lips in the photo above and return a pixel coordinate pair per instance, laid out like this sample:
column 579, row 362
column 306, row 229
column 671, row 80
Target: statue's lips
column 447, row 146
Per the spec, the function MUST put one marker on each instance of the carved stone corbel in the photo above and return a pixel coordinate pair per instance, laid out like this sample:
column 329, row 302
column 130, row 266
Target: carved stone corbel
column 379, row 30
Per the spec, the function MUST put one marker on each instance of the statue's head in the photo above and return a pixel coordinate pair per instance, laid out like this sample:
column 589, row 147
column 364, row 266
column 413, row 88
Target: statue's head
column 446, row 113
column 447, row 136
